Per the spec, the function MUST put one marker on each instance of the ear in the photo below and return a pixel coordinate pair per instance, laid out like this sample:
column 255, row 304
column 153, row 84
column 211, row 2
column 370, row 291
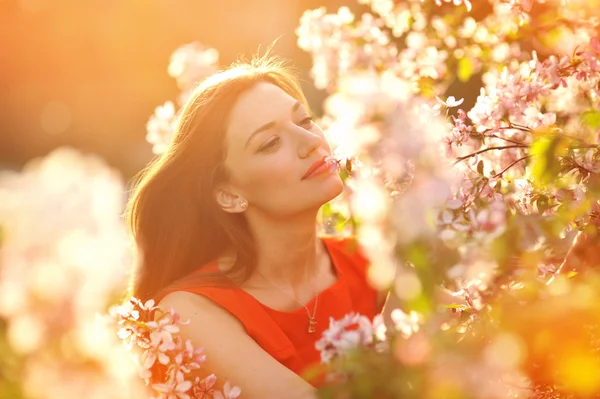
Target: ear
column 230, row 202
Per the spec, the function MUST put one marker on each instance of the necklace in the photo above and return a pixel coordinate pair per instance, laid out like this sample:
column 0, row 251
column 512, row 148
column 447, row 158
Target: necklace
column 312, row 323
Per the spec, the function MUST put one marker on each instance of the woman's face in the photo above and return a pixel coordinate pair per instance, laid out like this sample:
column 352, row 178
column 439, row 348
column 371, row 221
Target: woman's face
column 272, row 147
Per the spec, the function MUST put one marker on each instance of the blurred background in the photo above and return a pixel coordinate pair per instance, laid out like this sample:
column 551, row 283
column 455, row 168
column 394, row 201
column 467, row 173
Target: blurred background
column 89, row 73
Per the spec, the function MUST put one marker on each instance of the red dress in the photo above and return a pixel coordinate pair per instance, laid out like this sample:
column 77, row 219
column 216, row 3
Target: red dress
column 284, row 335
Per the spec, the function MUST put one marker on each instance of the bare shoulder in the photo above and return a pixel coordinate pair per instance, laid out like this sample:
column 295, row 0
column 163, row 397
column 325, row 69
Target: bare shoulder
column 232, row 354
column 193, row 307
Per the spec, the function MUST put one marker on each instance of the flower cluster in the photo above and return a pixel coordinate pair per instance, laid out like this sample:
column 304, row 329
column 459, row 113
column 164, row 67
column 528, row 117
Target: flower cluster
column 165, row 360
column 189, row 65
column 352, row 331
column 333, row 39
column 62, row 252
column 487, row 200
column 356, row 331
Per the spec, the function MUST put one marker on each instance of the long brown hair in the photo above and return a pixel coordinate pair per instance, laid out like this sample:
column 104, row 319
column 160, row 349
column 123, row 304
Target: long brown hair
column 172, row 214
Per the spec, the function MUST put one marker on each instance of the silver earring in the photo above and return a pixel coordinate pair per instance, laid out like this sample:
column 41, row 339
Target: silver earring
column 244, row 205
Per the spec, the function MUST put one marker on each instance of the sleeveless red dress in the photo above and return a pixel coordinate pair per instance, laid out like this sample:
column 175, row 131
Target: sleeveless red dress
column 284, row 335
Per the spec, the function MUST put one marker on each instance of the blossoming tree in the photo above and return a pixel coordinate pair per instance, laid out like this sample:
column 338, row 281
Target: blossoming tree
column 486, row 200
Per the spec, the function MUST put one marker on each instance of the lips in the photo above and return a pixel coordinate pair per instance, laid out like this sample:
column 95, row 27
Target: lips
column 320, row 162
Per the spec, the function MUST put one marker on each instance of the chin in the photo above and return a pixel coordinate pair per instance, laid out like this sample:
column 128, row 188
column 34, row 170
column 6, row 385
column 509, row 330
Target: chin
column 334, row 187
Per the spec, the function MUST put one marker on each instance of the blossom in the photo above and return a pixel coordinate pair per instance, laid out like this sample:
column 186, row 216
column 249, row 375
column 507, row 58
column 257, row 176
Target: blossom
column 352, row 331
column 405, row 323
column 229, row 392
column 205, row 389
column 329, row 38
column 467, row 3
column 191, row 63
column 450, row 101
column 64, row 253
column 459, row 134
column 174, row 389
column 159, row 339
column 161, row 127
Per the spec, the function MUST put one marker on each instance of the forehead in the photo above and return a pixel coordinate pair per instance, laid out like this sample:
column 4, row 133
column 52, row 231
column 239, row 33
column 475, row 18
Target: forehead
column 261, row 104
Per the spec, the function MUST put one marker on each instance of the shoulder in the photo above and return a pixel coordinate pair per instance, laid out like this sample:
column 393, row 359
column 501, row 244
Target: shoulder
column 200, row 309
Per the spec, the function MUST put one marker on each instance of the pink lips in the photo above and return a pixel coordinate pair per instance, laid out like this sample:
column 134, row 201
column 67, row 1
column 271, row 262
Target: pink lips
column 316, row 168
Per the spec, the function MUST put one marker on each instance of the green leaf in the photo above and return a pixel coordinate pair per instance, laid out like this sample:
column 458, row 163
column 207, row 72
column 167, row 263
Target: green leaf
column 480, row 167
column 465, row 69
column 591, row 119
column 545, row 165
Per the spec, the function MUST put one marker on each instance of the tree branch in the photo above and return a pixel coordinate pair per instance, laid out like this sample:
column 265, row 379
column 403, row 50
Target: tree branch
column 506, row 147
column 505, row 139
column 510, row 166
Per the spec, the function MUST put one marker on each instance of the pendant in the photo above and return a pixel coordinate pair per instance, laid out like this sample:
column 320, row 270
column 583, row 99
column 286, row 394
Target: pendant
column 312, row 325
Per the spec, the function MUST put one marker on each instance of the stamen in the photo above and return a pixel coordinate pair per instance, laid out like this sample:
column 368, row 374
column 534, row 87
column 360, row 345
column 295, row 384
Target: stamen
column 334, row 164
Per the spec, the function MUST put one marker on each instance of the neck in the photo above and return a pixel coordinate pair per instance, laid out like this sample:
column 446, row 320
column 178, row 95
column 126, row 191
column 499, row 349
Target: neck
column 288, row 248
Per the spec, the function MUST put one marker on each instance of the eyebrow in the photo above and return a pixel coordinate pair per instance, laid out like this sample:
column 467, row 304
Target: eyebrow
column 269, row 125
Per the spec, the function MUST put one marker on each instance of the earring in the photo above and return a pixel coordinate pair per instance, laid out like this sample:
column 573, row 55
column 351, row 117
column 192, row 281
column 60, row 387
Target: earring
column 244, row 205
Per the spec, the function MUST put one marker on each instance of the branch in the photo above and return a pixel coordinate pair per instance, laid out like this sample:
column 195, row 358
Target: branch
column 506, row 147
column 510, row 166
column 505, row 139
column 519, row 127
column 510, row 127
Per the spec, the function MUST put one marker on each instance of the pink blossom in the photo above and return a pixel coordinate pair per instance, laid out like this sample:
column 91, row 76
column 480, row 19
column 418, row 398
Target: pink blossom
column 350, row 332
column 330, row 38
column 204, row 388
column 405, row 323
column 176, row 388
column 161, row 341
column 459, row 134
column 229, row 392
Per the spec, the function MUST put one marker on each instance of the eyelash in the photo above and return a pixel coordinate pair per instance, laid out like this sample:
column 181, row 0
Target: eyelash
column 305, row 121
column 271, row 143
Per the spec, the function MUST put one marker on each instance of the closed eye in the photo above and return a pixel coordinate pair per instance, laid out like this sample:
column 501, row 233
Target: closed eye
column 306, row 122
column 269, row 145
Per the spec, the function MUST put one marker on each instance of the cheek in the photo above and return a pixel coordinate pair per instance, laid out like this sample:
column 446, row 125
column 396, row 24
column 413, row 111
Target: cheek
column 268, row 176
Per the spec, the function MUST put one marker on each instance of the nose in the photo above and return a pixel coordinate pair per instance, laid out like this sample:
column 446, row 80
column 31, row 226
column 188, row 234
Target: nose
column 307, row 142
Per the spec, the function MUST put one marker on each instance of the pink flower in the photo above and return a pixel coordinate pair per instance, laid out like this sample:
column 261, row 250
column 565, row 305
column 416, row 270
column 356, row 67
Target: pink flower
column 175, row 389
column 161, row 342
column 405, row 324
column 203, row 388
column 350, row 332
column 229, row 392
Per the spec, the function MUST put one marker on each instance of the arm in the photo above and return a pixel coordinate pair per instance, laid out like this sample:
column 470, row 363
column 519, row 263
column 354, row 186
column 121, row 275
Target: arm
column 231, row 354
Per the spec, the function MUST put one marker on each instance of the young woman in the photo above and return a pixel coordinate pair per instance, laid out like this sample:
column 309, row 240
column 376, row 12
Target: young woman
column 225, row 224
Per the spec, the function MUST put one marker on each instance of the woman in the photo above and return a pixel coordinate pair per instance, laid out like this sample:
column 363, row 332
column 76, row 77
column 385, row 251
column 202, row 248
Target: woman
column 225, row 226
